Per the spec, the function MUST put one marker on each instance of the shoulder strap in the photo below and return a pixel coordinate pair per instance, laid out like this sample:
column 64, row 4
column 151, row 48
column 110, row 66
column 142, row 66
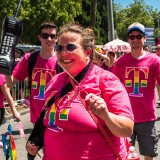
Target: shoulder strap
column 31, row 64
column 58, row 68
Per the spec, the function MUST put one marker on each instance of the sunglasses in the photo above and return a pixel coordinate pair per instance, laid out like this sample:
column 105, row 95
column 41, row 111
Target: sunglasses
column 158, row 49
column 68, row 47
column 46, row 35
column 132, row 37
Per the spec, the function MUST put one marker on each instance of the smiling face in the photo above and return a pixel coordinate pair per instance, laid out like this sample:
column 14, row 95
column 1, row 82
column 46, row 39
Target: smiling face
column 48, row 43
column 136, row 40
column 75, row 60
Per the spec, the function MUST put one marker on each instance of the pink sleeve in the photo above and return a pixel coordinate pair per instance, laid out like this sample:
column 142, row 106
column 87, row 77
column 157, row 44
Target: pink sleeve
column 115, row 95
column 2, row 79
column 21, row 70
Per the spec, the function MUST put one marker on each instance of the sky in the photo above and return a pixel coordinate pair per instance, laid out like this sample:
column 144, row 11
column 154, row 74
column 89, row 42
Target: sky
column 154, row 3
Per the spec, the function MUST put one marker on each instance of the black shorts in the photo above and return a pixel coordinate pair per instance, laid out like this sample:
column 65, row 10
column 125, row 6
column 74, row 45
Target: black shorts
column 1, row 115
column 147, row 137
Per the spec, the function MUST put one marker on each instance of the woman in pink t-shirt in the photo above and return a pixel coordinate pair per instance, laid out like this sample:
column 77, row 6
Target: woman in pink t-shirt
column 71, row 133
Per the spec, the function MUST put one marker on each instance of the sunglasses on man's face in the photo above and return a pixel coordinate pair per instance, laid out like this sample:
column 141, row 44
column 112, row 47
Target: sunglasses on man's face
column 133, row 37
column 46, row 35
column 69, row 48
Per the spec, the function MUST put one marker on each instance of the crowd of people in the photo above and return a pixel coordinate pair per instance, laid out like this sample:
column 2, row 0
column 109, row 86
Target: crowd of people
column 87, row 84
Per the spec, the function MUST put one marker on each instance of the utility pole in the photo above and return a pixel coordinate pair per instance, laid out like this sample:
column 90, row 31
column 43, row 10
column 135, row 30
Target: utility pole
column 158, row 27
column 110, row 21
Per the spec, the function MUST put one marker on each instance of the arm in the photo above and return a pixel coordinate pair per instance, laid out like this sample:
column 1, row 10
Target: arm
column 32, row 148
column 11, row 81
column 119, row 125
column 6, row 93
column 104, row 57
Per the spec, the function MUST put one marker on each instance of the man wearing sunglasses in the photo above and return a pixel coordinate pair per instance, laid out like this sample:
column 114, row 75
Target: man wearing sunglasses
column 43, row 70
column 138, row 71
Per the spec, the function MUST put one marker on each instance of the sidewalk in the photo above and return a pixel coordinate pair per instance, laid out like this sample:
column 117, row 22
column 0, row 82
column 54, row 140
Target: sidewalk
column 20, row 108
column 24, row 111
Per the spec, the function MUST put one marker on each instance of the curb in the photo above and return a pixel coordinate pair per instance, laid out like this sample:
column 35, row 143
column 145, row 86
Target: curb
column 7, row 117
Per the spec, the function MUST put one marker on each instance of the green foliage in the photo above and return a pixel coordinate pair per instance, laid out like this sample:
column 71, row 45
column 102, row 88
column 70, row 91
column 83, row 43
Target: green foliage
column 137, row 11
column 34, row 12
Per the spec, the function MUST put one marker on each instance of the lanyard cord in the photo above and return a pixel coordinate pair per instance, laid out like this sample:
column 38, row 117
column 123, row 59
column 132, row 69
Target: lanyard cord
column 101, row 128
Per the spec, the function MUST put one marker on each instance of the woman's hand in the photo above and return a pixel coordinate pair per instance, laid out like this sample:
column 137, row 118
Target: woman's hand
column 97, row 105
column 120, row 126
column 32, row 148
column 17, row 116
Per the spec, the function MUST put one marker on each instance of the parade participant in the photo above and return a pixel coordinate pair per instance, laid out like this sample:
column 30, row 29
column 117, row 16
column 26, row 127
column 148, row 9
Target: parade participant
column 158, row 88
column 43, row 71
column 71, row 133
column 138, row 71
column 5, row 94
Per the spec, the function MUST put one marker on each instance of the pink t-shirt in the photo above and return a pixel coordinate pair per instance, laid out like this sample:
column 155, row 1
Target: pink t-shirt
column 44, row 70
column 139, row 76
column 2, row 82
column 71, row 132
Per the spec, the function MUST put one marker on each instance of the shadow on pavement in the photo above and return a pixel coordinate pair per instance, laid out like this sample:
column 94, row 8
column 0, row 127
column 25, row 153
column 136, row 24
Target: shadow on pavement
column 26, row 131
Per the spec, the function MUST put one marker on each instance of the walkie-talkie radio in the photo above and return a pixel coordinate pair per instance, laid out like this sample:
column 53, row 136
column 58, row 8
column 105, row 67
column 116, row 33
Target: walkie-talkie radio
column 11, row 32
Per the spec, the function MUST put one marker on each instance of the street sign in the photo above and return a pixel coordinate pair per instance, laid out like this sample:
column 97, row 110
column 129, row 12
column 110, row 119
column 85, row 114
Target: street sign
column 150, row 36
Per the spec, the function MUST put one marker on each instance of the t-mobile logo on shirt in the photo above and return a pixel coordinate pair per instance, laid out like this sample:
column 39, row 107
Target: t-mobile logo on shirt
column 133, row 78
column 40, row 78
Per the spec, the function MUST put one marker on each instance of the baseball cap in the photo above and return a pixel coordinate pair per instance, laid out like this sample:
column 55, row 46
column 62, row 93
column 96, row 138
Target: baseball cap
column 136, row 27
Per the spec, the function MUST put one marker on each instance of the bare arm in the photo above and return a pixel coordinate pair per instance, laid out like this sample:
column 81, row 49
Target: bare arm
column 104, row 57
column 11, row 81
column 119, row 125
column 6, row 93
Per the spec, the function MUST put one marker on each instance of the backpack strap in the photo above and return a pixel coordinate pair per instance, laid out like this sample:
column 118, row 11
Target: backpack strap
column 31, row 64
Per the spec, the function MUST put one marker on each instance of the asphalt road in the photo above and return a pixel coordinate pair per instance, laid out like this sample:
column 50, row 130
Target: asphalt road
column 20, row 142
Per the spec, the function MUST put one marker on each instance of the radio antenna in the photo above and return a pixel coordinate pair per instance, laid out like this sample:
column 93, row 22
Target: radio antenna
column 17, row 10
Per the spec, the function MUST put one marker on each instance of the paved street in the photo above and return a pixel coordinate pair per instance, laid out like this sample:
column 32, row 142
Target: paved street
column 20, row 143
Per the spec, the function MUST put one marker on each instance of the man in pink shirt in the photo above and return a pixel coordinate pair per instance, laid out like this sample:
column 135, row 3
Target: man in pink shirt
column 138, row 71
column 158, row 88
column 43, row 71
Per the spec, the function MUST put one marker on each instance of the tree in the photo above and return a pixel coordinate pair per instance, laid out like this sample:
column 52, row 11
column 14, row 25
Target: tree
column 34, row 12
column 87, row 12
column 137, row 11
column 93, row 10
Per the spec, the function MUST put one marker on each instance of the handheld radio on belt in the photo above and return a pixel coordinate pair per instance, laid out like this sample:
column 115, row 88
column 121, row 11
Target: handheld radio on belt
column 11, row 32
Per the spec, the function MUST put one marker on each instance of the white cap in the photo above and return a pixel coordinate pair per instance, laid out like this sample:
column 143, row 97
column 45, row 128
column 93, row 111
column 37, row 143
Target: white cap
column 136, row 27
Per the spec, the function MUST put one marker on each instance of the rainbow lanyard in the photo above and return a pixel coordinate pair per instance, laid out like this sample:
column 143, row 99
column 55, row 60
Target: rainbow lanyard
column 9, row 152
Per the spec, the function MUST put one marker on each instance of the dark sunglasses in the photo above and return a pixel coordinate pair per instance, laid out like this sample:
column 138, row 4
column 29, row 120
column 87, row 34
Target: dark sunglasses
column 158, row 49
column 69, row 48
column 132, row 37
column 46, row 35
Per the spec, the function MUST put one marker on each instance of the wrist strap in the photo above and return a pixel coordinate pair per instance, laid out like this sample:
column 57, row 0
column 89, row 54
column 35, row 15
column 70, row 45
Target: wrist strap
column 101, row 128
